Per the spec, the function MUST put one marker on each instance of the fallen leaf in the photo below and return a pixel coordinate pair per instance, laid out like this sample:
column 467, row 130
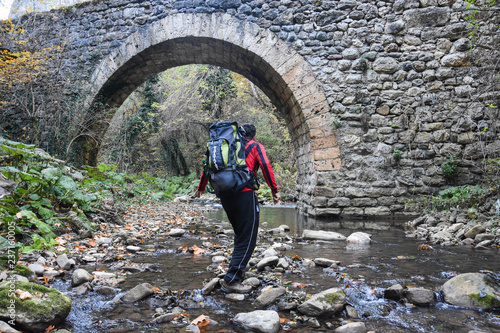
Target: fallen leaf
column 200, row 319
column 50, row 328
column 156, row 289
column 299, row 285
column 197, row 250
column 92, row 243
column 284, row 320
column 23, row 294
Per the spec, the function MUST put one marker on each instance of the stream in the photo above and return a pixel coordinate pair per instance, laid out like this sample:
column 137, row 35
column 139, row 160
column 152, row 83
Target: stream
column 364, row 273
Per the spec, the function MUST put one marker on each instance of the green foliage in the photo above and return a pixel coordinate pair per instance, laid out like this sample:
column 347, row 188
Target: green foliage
column 449, row 167
column 49, row 194
column 469, row 197
column 396, row 153
column 474, row 10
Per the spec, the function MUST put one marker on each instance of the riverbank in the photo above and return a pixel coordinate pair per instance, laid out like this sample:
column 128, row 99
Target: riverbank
column 286, row 271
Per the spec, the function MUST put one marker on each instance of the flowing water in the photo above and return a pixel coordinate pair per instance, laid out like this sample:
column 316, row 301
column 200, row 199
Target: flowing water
column 365, row 271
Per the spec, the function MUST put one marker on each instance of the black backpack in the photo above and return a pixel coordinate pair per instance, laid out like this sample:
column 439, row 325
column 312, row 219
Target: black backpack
column 225, row 163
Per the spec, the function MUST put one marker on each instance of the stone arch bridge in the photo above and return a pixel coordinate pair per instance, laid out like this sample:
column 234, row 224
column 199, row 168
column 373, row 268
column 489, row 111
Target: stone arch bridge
column 376, row 94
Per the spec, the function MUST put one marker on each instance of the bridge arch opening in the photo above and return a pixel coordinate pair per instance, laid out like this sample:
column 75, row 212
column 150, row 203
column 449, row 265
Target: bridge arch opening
column 242, row 47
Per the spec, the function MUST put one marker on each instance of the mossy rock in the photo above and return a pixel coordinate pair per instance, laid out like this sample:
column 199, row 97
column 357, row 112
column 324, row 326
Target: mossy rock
column 43, row 308
column 473, row 291
column 24, row 271
column 325, row 303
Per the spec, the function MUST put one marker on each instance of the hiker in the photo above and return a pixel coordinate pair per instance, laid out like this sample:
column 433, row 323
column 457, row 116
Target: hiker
column 242, row 210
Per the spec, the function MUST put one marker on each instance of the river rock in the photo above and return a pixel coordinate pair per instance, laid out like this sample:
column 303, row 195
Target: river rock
column 253, row 282
column 322, row 235
column 176, row 232
column 269, row 261
column 394, row 292
column 454, row 227
column 482, row 237
column 80, row 276
column 474, row 231
column 210, row 286
column 265, row 321
column 235, row 297
column 37, row 268
column 269, row 296
column 283, row 263
column 5, row 328
column 138, row 293
column 420, row 296
column 132, row 248
column 327, row 302
column 359, row 238
column 358, row 327
column 63, row 261
column 441, row 236
column 38, row 310
column 324, row 262
column 166, row 318
column 271, row 252
column 472, row 290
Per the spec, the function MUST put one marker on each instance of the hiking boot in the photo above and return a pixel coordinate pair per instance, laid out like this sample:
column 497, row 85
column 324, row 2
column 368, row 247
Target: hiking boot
column 235, row 287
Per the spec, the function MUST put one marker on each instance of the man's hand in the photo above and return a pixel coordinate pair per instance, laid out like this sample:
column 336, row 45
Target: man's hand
column 198, row 193
column 276, row 197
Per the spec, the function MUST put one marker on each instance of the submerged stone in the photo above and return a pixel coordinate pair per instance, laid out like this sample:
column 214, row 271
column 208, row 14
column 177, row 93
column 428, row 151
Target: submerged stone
column 322, row 235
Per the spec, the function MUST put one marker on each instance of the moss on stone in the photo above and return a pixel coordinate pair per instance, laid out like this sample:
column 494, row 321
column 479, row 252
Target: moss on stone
column 23, row 271
column 487, row 301
column 42, row 306
column 332, row 298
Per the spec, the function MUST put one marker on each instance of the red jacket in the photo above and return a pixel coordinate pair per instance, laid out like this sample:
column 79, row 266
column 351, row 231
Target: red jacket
column 255, row 157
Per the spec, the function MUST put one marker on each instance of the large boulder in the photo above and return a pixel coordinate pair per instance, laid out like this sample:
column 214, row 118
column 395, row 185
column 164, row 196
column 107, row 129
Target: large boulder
column 265, row 321
column 325, row 303
column 472, row 290
column 36, row 307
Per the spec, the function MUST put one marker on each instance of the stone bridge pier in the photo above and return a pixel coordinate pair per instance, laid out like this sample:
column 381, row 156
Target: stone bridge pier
column 377, row 95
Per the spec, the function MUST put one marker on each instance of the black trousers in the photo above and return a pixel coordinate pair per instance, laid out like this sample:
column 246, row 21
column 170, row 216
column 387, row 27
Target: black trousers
column 243, row 212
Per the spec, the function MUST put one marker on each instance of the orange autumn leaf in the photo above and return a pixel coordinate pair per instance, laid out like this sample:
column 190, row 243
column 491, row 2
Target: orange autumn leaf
column 92, row 243
column 50, row 328
column 284, row 320
column 156, row 289
column 296, row 257
column 201, row 320
column 128, row 226
column 23, row 294
column 197, row 250
column 299, row 285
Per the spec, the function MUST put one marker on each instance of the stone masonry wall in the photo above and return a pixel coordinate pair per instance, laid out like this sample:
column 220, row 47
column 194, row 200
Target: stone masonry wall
column 404, row 89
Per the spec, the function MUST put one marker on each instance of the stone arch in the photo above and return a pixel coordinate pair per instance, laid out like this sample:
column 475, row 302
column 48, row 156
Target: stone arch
column 243, row 47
